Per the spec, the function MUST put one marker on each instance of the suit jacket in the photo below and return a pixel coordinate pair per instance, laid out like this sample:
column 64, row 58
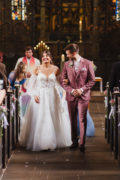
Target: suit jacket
column 85, row 79
column 115, row 76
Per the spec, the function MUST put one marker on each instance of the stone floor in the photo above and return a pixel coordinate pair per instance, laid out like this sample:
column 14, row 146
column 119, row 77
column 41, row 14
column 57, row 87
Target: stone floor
column 97, row 163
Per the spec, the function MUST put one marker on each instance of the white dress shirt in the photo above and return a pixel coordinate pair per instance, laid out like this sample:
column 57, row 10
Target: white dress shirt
column 77, row 63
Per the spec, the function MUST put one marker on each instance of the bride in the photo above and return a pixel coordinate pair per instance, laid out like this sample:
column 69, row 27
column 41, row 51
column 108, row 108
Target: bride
column 46, row 123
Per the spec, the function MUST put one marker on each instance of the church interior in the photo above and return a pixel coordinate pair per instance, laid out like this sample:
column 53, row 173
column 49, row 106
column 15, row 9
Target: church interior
column 94, row 25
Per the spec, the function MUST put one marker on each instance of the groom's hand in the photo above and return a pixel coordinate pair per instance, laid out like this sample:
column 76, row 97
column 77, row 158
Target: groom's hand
column 80, row 92
column 77, row 92
column 37, row 100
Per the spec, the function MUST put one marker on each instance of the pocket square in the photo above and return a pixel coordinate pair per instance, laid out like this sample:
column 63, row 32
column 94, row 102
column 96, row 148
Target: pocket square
column 84, row 69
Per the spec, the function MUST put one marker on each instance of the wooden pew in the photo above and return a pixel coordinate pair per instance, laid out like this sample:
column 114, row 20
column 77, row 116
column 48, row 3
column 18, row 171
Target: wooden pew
column 9, row 128
column 107, row 121
column 0, row 154
column 17, row 112
column 116, row 96
column 14, row 122
column 119, row 130
column 10, row 135
column 4, row 145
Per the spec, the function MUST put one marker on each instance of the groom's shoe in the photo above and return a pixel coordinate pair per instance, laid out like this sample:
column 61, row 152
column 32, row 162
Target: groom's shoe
column 82, row 148
column 74, row 146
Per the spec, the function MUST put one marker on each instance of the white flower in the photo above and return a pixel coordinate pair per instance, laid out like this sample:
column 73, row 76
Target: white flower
column 3, row 109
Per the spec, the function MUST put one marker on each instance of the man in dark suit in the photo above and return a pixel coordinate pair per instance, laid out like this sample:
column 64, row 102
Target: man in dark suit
column 115, row 76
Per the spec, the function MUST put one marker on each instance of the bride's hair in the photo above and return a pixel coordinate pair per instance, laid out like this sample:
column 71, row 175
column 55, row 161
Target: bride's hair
column 49, row 54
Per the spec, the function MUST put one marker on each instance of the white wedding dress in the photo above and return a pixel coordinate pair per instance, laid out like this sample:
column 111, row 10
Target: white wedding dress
column 45, row 125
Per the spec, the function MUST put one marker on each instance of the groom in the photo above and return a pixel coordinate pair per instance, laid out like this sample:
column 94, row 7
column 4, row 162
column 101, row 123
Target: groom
column 80, row 74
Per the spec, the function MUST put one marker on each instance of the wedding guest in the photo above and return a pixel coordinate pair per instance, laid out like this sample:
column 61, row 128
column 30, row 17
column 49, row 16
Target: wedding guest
column 3, row 82
column 3, row 71
column 29, row 60
column 18, row 76
column 2, row 95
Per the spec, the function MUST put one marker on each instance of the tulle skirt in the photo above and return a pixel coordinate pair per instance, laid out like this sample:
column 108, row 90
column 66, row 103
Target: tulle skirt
column 45, row 125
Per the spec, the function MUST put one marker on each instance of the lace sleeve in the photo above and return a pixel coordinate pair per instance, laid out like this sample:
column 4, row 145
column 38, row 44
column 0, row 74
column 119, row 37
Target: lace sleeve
column 31, row 84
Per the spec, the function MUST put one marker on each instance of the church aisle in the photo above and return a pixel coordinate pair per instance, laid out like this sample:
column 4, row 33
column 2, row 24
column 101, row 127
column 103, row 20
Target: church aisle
column 95, row 164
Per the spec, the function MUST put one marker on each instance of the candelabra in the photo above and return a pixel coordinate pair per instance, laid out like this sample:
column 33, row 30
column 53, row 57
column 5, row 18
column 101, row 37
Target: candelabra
column 40, row 47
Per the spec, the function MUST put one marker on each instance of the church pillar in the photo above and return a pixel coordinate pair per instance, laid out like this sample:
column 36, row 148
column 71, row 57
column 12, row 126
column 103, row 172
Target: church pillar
column 42, row 20
column 95, row 37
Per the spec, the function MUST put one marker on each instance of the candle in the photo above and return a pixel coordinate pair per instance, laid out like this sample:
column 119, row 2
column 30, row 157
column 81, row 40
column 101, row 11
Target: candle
column 62, row 57
column 80, row 25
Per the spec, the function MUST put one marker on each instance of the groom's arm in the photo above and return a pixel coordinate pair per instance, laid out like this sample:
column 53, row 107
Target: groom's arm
column 64, row 75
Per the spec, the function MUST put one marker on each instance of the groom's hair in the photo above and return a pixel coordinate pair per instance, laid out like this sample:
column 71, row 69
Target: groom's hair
column 72, row 48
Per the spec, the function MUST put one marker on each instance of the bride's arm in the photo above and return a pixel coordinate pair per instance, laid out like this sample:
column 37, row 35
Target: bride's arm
column 33, row 85
column 30, row 85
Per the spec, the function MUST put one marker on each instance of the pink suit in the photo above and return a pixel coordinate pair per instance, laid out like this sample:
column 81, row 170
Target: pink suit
column 84, row 79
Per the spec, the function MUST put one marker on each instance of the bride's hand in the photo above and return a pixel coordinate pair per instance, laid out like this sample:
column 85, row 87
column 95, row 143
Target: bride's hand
column 65, row 81
column 37, row 100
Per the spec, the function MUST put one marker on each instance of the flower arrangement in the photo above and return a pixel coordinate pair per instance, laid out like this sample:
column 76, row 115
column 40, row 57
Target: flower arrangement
column 3, row 109
column 112, row 111
column 105, row 93
column 112, row 102
column 14, row 99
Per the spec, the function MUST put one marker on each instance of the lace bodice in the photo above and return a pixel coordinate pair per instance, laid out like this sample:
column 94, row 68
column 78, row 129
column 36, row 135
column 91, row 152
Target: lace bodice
column 46, row 82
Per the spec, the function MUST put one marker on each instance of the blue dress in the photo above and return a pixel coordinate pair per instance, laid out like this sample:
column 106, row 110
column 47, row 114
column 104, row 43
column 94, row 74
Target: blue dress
column 20, row 82
column 90, row 131
column 12, row 80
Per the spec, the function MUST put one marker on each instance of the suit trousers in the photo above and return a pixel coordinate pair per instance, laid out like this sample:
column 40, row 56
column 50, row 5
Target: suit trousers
column 76, row 107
